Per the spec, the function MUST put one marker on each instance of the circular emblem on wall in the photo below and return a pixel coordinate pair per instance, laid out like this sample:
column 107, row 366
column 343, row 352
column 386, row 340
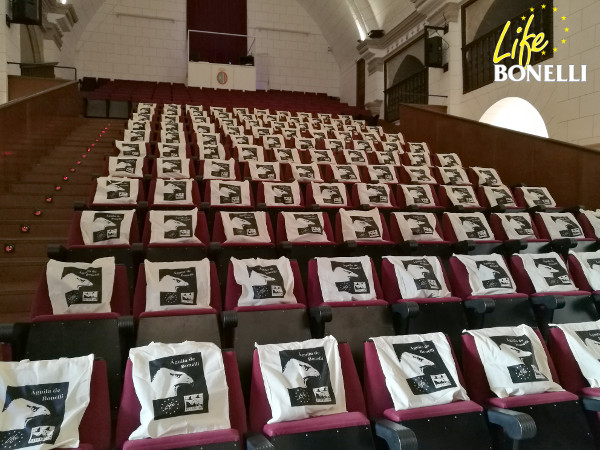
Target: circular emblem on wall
column 222, row 77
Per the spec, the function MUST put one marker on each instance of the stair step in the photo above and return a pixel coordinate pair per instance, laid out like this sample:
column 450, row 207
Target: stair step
column 25, row 213
column 21, row 272
column 48, row 229
column 38, row 201
column 74, row 178
column 29, row 247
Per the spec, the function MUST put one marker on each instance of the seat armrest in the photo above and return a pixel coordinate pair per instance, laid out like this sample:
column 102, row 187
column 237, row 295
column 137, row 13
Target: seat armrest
column 549, row 301
column 499, row 208
column 596, row 300
column 214, row 248
column 321, row 313
column 257, row 441
column 465, row 246
column 350, row 245
column 591, row 403
column 410, row 246
column 285, row 246
column 79, row 206
column 536, row 208
column 481, row 305
column 56, row 251
column 229, row 319
column 574, row 209
column 411, row 208
column 396, row 436
column 261, row 206
column 515, row 245
column 516, row 425
column 563, row 245
column 407, row 310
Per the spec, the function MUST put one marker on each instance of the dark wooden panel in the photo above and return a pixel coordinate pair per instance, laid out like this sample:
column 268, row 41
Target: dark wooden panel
column 569, row 171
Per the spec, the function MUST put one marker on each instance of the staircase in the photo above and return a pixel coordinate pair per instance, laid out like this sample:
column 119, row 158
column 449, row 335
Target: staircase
column 36, row 207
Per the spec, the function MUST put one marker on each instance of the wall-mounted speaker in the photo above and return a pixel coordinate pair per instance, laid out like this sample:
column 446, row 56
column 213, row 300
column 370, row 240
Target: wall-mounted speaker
column 26, row 12
column 375, row 34
column 433, row 52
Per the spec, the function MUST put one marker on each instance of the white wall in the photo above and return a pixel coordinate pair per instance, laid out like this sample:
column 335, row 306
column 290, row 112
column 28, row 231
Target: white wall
column 10, row 50
column 571, row 110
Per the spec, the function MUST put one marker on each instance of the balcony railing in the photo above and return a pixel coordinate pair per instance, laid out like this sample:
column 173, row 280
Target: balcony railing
column 478, row 64
column 414, row 89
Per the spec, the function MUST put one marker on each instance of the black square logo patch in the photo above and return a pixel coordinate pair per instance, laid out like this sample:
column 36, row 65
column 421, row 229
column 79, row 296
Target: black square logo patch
column 177, row 286
column 307, row 373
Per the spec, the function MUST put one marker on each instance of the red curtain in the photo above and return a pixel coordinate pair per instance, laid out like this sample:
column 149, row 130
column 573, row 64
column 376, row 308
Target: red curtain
column 221, row 16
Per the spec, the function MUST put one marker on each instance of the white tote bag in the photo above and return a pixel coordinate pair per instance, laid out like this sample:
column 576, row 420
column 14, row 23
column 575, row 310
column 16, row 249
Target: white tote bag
column 419, row 370
column 345, row 279
column 218, row 169
column 584, row 341
column 172, row 168
column 562, row 225
column 173, row 227
column 449, row 160
column 345, row 172
column 594, row 219
column 537, row 196
column 131, row 148
column 177, row 285
column 80, row 288
column 499, row 195
column 470, row 226
column 304, row 227
column 120, row 191
column 264, row 281
column 245, row 227
column 267, row 171
column 517, row 225
column 282, row 194
column 488, row 274
column 461, row 195
column 228, row 193
column 590, row 265
column 547, row 272
column 182, row 389
column 302, row 379
column 130, row 167
column 418, row 195
column 373, row 194
column 487, row 176
column 106, row 227
column 420, row 175
column 454, row 175
column 173, row 192
column 306, row 172
column 44, row 402
column 171, row 150
column 361, row 225
column 419, row 277
column 329, row 194
column 382, row 173
column 417, row 226
column 514, row 361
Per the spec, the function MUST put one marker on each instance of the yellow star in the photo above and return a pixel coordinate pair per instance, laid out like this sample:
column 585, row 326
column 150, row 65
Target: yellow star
column 543, row 52
column 555, row 49
column 555, row 9
column 522, row 17
column 564, row 41
column 532, row 9
column 543, row 6
column 567, row 30
column 563, row 18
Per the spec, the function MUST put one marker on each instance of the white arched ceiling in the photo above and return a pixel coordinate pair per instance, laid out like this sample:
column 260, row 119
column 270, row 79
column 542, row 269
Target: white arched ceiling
column 338, row 20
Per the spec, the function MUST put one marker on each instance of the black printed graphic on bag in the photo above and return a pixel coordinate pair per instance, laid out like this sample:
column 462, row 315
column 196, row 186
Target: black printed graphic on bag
column 273, row 142
column 130, row 149
column 144, row 114
column 309, row 224
column 262, row 131
column 126, row 165
column 418, row 159
column 174, row 191
column 336, row 144
column 170, row 151
column 594, row 264
column 521, row 225
column 138, row 134
column 422, row 274
column 463, row 196
column 383, row 173
column 282, row 194
column 177, row 286
column 474, row 227
column 488, row 177
column 85, row 285
column 178, row 226
column 106, row 226
column 209, row 139
column 220, row 170
column 139, row 126
column 539, row 197
column 266, row 282
column 591, row 339
column 265, row 171
column 305, row 143
column 285, row 154
column 492, row 275
column 361, row 145
column 377, row 194
column 365, row 227
column 203, row 129
column 356, row 156
column 390, row 146
column 423, row 367
column 171, row 128
column 210, row 152
column 322, row 156
column 171, row 137
column 349, row 277
column 230, row 194
column 566, row 227
column 307, row 372
column 242, row 139
column 419, row 224
column 519, row 347
column 418, row 195
column 502, row 197
column 552, row 271
column 32, row 414
column 453, row 175
column 117, row 189
column 346, row 173
column 178, row 386
column 386, row 158
column 416, row 147
column 306, row 172
column 319, row 134
column 448, row 160
column 419, row 174
column 244, row 224
column 249, row 153
column 172, row 166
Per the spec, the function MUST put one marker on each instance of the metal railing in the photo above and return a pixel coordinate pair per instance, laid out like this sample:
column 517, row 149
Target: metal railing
column 221, row 48
column 478, row 64
column 43, row 70
column 414, row 89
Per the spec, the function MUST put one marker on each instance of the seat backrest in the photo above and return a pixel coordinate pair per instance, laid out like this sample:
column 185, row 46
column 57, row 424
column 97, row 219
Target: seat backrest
column 577, row 274
column 260, row 411
column 234, row 290
column 129, row 410
column 459, row 278
column 567, row 368
column 139, row 296
column 95, row 427
column 314, row 295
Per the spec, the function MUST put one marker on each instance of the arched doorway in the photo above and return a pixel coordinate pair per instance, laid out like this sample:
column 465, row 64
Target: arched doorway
column 516, row 114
